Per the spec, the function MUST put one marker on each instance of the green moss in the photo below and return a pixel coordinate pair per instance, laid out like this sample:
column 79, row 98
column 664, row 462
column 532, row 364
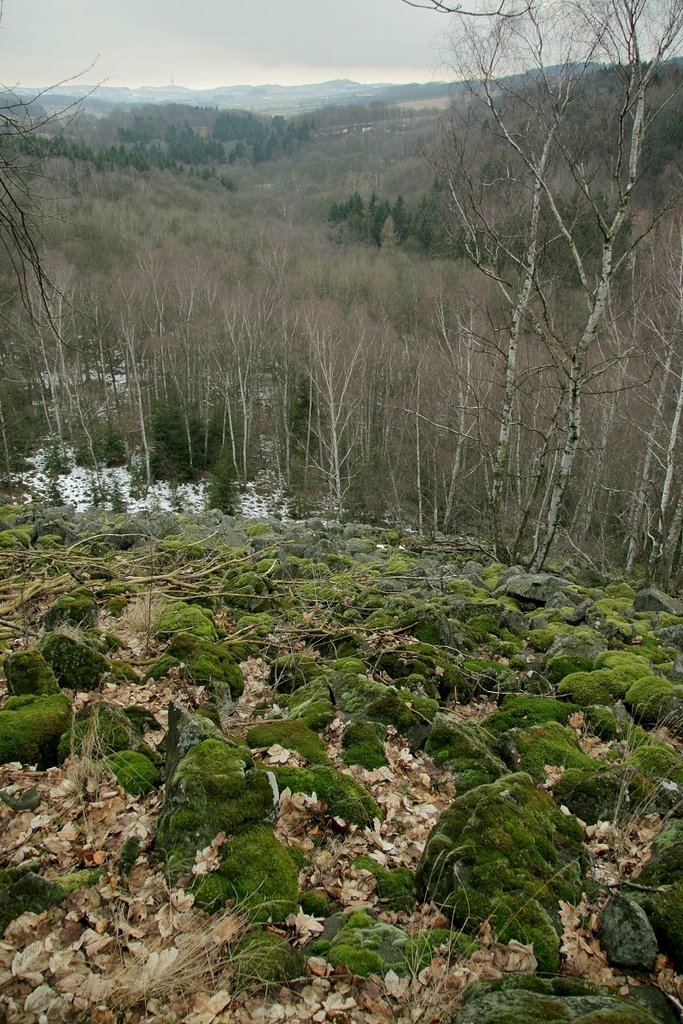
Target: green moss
column 367, row 946
column 394, row 886
column 29, row 894
column 76, row 666
column 565, row 664
column 602, row 686
column 292, row 671
column 134, row 772
column 215, row 788
column 77, row 608
column 291, row 734
column 622, row 590
column 181, row 617
column 604, row 793
column 312, row 704
column 520, row 711
column 659, row 761
column 665, row 865
column 116, row 605
column 528, row 999
column 363, row 744
column 665, row 911
column 201, row 662
column 603, row 723
column 530, row 749
column 513, row 849
column 28, row 672
column 257, row 872
column 264, row 957
column 648, row 698
column 317, row 904
column 345, row 798
column 631, row 666
column 421, row 948
column 101, row 729
column 30, row 729
column 543, row 638
column 464, row 748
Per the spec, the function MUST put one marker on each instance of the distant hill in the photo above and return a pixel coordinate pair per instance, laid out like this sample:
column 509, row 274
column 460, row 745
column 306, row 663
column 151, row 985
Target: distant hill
column 261, row 98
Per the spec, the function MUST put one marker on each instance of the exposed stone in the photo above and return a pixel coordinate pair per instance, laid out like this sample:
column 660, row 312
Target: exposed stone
column 626, row 935
column 650, row 599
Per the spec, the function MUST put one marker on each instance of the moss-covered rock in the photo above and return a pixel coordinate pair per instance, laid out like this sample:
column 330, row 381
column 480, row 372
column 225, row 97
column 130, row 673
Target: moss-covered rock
column 292, row 671
column 464, row 747
column 506, row 852
column 521, row 711
column 261, row 957
column 216, row 787
column 181, row 617
column 292, row 734
column 527, row 999
column 363, row 744
column 665, row 913
column 574, row 652
column 312, row 704
column 658, row 760
column 395, row 887
column 606, row 793
column 134, row 772
column 100, row 730
column 31, row 727
column 256, row 871
column 76, row 665
column 602, row 686
column 27, row 672
column 30, row 893
column 363, row 945
column 345, row 798
column 665, row 865
column 529, row 750
column 631, row 666
column 422, row 947
column 652, row 699
column 77, row 608
column 201, row 662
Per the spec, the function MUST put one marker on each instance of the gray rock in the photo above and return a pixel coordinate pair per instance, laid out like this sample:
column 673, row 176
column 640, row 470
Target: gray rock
column 626, row 935
column 483, row 1006
column 184, row 732
column 671, row 636
column 650, row 599
column 537, row 590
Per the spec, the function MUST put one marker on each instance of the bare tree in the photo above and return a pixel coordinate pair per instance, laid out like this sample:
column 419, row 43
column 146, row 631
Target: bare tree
column 557, row 98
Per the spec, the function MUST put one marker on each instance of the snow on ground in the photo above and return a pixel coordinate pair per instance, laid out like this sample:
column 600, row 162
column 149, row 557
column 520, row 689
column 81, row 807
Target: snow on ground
column 115, row 488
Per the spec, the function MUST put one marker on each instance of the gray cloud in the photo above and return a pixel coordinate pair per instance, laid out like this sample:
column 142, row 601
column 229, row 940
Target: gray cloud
column 218, row 42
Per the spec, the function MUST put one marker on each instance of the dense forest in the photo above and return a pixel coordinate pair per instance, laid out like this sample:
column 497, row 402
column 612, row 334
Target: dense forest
column 376, row 310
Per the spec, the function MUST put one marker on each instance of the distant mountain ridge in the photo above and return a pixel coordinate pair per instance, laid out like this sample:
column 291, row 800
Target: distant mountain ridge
column 266, row 98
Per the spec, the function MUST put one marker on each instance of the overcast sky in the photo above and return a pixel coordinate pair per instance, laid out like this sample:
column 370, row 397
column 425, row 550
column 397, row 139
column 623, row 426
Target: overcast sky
column 204, row 43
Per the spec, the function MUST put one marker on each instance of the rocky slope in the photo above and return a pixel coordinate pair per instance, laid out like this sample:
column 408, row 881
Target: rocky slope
column 304, row 771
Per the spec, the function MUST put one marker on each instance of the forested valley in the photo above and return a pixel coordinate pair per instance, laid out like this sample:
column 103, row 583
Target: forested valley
column 376, row 313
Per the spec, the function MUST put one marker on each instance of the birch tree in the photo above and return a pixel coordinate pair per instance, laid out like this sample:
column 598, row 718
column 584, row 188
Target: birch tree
column 557, row 97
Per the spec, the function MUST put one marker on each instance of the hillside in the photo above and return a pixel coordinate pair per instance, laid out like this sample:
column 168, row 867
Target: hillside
column 307, row 771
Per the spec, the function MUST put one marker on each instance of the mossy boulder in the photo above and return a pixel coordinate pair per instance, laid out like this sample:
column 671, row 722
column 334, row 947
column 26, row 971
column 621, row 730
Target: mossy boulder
column 292, row 734
column 665, row 865
column 527, row 999
column 201, row 662
column 464, row 748
column 261, row 957
column 658, row 760
column 363, row 744
column 606, row 793
column 257, row 872
column 631, row 666
column 76, row 665
column 362, row 944
column 30, row 893
column 312, row 704
column 134, row 772
column 602, row 686
column 31, row 727
column 533, row 590
column 655, row 700
column 292, row 671
column 27, row 672
column 529, row 750
column 573, row 652
column 504, row 852
column 395, row 886
column 180, row 617
column 77, row 608
column 665, row 913
column 345, row 798
column 521, row 711
column 216, row 787
column 100, row 730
